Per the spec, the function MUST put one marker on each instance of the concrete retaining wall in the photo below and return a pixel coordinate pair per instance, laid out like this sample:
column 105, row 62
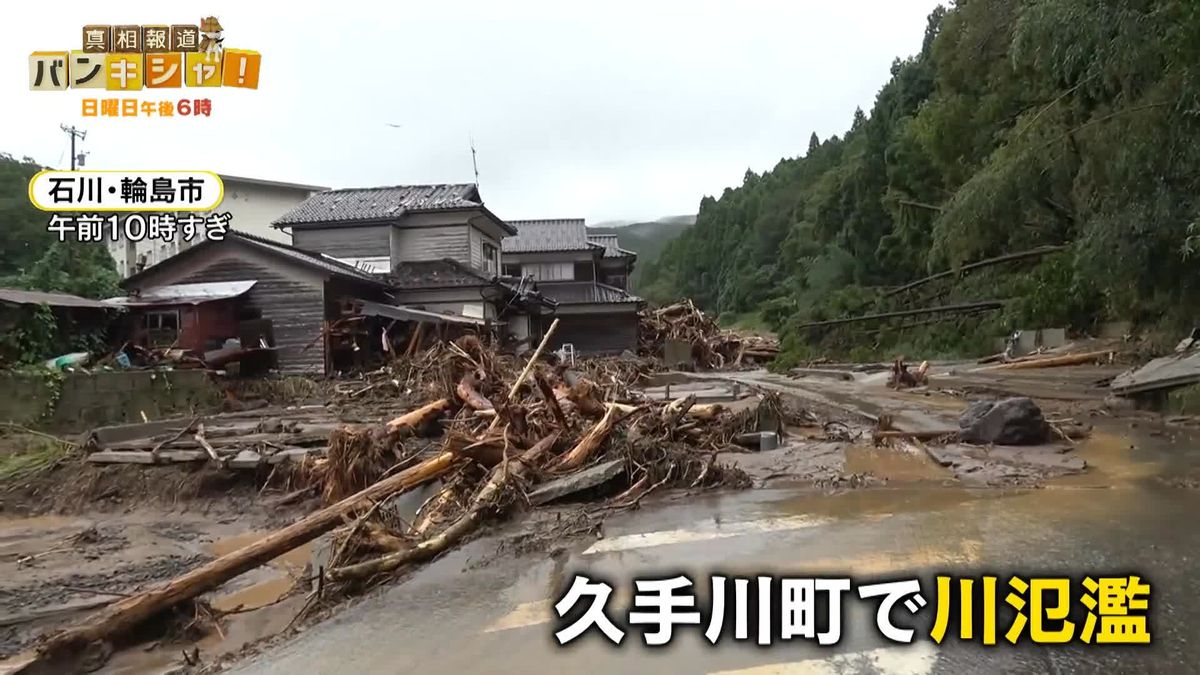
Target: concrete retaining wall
column 89, row 400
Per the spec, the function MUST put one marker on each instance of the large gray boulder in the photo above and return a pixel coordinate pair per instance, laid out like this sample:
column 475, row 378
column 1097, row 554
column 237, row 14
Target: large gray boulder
column 1011, row 421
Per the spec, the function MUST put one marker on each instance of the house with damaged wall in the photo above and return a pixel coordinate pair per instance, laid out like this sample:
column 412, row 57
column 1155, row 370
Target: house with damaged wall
column 369, row 269
column 586, row 275
column 372, row 270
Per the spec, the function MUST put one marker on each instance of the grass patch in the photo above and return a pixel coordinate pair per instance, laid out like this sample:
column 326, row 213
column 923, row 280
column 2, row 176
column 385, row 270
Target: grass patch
column 25, row 454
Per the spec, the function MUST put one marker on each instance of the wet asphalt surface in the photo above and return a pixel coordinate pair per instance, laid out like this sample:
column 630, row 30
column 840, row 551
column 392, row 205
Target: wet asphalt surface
column 475, row 612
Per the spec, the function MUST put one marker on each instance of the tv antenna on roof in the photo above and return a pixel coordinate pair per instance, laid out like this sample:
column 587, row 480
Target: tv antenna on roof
column 474, row 163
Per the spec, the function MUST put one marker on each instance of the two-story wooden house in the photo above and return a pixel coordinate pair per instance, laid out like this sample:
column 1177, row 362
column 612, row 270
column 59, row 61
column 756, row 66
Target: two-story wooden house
column 586, row 275
column 439, row 245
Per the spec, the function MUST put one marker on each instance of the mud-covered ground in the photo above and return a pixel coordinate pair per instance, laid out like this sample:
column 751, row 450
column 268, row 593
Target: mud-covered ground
column 81, row 536
column 102, row 534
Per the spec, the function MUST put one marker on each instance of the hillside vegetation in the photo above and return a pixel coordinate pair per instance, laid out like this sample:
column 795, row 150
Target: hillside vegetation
column 1020, row 124
column 647, row 239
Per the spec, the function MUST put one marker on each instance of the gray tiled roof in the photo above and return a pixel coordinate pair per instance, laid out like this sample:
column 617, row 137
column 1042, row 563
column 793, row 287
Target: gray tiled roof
column 537, row 236
column 380, row 203
column 585, row 292
column 612, row 247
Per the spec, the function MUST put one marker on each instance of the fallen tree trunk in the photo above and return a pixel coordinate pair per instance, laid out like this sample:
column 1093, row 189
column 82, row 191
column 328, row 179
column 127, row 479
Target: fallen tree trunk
column 1034, row 253
column 705, row 411
column 410, row 422
column 470, row 395
column 579, row 455
column 963, row 308
column 1054, row 361
column 123, row 616
column 486, row 498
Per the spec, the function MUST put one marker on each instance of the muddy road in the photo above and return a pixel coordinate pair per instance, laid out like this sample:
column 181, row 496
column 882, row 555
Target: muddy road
column 471, row 612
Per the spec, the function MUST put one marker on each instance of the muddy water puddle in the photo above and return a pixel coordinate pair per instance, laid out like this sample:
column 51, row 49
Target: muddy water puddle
column 893, row 464
column 259, row 601
column 268, row 583
column 1115, row 460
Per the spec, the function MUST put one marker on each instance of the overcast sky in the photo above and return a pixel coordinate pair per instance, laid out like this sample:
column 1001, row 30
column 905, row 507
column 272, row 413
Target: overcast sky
column 622, row 110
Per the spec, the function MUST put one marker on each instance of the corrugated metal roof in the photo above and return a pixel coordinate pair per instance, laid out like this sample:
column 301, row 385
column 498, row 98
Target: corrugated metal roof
column 612, row 247
column 21, row 297
column 538, row 236
column 185, row 294
column 380, row 203
column 413, row 314
column 586, row 292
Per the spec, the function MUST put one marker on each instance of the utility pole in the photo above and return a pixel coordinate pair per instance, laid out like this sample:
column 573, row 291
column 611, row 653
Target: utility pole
column 74, row 133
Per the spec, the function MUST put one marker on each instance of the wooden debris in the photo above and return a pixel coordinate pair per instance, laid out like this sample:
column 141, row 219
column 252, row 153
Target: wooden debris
column 1056, row 361
column 712, row 348
column 485, row 499
column 469, row 395
column 583, row 450
column 410, row 422
column 902, row 378
column 633, row 447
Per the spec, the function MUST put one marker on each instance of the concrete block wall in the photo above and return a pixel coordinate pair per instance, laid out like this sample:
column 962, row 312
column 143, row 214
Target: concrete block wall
column 90, row 400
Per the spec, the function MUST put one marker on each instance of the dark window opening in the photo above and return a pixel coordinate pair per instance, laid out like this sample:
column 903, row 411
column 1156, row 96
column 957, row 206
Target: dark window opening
column 490, row 257
column 162, row 328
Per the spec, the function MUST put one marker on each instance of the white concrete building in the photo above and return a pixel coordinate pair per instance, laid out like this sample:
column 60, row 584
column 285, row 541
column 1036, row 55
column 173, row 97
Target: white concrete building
column 254, row 205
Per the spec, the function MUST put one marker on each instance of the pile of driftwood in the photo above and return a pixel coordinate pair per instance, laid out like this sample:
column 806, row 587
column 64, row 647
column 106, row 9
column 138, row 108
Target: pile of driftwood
column 497, row 434
column 712, row 347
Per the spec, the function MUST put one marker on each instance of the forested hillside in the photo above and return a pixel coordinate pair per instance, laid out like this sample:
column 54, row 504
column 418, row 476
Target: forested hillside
column 1021, row 123
column 31, row 257
column 647, row 239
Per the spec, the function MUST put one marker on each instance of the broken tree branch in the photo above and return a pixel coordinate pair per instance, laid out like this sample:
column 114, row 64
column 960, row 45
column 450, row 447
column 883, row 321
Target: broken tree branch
column 199, row 436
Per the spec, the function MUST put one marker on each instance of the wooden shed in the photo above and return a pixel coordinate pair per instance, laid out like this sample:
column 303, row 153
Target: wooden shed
column 293, row 294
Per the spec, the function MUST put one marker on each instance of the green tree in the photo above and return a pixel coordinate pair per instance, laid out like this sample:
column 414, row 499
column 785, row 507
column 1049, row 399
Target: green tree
column 1020, row 123
column 31, row 257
